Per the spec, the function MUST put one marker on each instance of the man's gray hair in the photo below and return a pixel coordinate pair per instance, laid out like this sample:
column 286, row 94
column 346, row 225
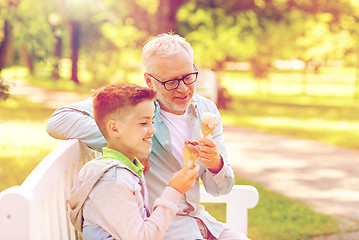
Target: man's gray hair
column 166, row 44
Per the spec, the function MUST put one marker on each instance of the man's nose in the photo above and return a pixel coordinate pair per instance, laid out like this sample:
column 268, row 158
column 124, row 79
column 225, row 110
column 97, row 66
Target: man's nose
column 182, row 87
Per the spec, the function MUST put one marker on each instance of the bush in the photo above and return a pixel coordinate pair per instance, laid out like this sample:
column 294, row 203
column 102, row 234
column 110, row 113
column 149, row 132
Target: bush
column 4, row 90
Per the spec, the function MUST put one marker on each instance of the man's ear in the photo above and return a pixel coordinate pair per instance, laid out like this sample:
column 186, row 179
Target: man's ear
column 112, row 127
column 148, row 80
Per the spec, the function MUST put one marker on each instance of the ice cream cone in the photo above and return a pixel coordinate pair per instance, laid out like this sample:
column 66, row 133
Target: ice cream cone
column 209, row 123
column 206, row 130
column 190, row 152
column 187, row 156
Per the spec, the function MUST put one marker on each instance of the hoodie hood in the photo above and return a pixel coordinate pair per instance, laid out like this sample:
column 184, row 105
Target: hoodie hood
column 86, row 180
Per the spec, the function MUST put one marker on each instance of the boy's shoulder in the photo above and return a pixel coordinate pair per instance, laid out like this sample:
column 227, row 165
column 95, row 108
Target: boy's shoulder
column 96, row 167
column 110, row 169
column 116, row 171
column 98, row 163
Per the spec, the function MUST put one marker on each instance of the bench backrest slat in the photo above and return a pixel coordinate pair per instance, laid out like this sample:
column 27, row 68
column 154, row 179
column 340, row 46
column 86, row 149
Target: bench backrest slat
column 37, row 209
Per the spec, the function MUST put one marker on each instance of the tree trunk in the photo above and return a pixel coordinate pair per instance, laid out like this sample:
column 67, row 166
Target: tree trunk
column 166, row 15
column 75, row 28
column 27, row 58
column 57, row 56
column 5, row 44
column 174, row 6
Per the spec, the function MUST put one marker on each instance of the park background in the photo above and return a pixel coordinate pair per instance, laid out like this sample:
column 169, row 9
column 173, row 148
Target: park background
column 286, row 66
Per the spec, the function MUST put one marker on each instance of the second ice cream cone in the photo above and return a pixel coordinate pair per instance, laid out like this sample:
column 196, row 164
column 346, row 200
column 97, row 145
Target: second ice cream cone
column 190, row 152
column 209, row 123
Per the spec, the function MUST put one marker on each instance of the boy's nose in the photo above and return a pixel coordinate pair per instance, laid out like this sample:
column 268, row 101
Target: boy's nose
column 152, row 129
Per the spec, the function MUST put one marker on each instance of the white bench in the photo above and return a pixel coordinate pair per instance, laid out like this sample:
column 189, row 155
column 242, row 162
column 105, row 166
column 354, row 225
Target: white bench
column 37, row 209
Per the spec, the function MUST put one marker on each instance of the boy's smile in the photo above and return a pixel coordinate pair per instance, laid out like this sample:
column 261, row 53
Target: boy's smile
column 148, row 140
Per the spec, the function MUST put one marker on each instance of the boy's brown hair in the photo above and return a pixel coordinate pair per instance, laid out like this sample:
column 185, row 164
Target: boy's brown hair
column 115, row 97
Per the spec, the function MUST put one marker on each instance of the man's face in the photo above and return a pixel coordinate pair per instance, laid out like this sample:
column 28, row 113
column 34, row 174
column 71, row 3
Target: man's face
column 174, row 67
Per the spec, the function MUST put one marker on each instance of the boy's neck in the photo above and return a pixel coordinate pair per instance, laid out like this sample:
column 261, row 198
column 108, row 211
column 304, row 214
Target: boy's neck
column 118, row 149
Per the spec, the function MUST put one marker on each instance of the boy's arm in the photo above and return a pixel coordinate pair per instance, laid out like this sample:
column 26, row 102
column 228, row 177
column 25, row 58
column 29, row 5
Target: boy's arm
column 115, row 207
column 76, row 121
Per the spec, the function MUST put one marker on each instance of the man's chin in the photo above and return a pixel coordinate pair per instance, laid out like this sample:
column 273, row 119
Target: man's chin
column 176, row 106
column 182, row 102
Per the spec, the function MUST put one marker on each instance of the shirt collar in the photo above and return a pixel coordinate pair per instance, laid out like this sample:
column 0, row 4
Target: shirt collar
column 135, row 166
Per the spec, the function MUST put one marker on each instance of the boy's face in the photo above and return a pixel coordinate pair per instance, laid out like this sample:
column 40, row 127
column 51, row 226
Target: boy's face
column 135, row 131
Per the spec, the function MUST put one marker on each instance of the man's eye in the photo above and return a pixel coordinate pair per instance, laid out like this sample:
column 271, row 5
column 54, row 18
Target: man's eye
column 171, row 83
column 189, row 77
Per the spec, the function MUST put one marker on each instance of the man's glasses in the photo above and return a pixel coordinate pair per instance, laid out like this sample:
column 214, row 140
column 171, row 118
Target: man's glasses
column 174, row 83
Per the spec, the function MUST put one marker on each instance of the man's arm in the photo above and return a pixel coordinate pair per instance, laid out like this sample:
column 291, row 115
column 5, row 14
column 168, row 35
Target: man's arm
column 76, row 121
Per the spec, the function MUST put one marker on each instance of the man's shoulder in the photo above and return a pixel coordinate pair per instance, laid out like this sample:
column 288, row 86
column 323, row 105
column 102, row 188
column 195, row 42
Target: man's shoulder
column 204, row 104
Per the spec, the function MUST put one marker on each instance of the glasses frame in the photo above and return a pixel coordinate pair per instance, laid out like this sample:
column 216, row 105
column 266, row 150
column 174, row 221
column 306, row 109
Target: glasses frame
column 177, row 79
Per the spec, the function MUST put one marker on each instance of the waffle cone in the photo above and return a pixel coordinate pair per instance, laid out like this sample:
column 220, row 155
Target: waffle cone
column 206, row 130
column 187, row 156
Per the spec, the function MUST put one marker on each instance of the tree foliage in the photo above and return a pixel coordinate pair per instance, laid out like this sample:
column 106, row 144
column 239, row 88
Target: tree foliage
column 110, row 34
column 260, row 31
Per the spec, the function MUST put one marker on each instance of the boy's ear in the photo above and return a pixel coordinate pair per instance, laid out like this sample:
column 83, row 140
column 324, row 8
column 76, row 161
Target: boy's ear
column 112, row 128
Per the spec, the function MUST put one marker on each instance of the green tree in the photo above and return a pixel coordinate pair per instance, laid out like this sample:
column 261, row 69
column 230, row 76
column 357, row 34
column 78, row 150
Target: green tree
column 77, row 13
column 348, row 23
column 260, row 31
column 33, row 33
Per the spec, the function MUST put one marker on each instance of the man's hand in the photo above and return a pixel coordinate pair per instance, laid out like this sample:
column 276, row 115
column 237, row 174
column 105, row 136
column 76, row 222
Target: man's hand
column 145, row 160
column 209, row 155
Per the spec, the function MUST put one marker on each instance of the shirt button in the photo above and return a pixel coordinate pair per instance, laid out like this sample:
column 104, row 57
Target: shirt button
column 167, row 142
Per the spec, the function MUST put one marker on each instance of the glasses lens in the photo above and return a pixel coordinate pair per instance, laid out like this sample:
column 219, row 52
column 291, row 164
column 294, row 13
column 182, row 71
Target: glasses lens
column 190, row 78
column 171, row 84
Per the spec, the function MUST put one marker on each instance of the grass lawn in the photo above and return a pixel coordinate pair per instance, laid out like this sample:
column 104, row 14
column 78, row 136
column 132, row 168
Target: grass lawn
column 279, row 218
column 331, row 119
column 330, row 124
column 24, row 141
column 333, row 82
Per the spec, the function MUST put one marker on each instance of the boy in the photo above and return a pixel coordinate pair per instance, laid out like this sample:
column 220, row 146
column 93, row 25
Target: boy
column 111, row 192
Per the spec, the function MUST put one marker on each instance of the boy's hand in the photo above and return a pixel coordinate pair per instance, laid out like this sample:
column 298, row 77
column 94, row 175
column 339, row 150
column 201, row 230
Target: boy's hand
column 209, row 155
column 184, row 179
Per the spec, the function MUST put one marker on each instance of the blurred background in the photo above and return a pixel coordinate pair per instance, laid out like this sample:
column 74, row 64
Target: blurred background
column 279, row 66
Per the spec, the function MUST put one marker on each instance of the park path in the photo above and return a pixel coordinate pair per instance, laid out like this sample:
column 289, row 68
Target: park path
column 52, row 99
column 321, row 175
